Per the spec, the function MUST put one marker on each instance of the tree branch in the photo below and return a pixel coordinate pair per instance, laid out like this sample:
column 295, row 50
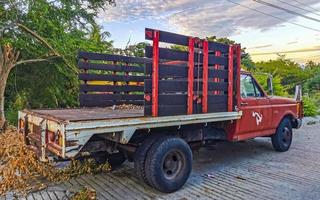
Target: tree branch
column 42, row 40
column 34, row 60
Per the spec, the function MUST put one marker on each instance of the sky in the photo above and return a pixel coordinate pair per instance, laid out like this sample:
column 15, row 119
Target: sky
column 287, row 27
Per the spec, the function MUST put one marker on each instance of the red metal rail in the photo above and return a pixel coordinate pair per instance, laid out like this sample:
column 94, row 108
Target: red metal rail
column 155, row 73
column 230, row 78
column 190, row 75
column 238, row 53
column 205, row 77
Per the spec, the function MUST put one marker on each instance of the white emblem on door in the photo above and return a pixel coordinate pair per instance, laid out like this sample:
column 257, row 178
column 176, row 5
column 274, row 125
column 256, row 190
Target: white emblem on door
column 258, row 117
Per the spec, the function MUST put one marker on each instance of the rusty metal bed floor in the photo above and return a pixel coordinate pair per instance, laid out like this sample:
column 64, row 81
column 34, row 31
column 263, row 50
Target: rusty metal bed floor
column 84, row 114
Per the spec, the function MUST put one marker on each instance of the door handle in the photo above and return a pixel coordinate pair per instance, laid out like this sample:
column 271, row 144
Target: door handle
column 244, row 103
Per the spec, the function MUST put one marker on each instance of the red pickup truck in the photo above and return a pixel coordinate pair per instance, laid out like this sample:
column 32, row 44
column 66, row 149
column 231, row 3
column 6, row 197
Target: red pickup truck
column 155, row 110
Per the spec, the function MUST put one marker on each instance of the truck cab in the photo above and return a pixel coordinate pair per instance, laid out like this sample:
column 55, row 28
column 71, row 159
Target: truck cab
column 262, row 114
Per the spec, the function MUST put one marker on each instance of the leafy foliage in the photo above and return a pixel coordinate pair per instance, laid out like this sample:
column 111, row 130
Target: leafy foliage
column 309, row 107
column 68, row 26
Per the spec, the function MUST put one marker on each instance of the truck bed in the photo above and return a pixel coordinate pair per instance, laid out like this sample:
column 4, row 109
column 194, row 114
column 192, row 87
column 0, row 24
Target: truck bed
column 118, row 123
column 85, row 114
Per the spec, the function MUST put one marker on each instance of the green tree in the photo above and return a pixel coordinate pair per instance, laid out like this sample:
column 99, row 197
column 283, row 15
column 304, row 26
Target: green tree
column 37, row 31
column 289, row 72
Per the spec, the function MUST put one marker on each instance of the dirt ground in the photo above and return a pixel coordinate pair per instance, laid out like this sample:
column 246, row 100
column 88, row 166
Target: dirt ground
column 244, row 170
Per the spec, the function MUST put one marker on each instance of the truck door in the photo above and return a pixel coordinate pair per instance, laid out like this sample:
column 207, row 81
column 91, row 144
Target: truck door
column 264, row 108
column 251, row 119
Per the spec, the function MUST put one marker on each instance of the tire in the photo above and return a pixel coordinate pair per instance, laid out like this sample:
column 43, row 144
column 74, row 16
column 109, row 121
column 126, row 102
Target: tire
column 140, row 157
column 169, row 164
column 281, row 140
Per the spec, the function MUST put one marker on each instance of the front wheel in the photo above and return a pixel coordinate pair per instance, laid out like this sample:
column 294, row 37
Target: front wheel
column 168, row 164
column 281, row 140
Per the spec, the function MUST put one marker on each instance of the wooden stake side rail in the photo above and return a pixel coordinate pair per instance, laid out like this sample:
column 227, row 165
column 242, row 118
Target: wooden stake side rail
column 190, row 76
column 109, row 80
column 166, row 81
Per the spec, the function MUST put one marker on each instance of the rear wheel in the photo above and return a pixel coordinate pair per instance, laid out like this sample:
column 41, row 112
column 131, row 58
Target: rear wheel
column 168, row 164
column 140, row 157
column 281, row 140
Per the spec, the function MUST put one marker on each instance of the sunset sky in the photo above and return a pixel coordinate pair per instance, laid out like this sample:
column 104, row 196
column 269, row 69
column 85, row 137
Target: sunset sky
column 288, row 27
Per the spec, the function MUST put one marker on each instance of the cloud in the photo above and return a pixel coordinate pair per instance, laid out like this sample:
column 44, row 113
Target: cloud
column 293, row 42
column 203, row 17
column 260, row 47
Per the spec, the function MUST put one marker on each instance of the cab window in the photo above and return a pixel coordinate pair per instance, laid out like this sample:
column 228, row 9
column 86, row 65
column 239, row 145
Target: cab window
column 249, row 87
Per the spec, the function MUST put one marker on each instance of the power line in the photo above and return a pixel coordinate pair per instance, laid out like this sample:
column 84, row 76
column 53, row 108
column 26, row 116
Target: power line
column 286, row 10
column 273, row 16
column 292, row 5
column 290, row 51
column 306, row 5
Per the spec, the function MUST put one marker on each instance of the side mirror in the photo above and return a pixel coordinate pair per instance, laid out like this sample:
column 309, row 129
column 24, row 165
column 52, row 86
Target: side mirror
column 270, row 86
column 298, row 93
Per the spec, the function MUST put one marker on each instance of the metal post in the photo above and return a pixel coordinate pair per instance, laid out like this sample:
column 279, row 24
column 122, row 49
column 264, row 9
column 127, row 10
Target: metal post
column 230, row 78
column 155, row 73
column 205, row 77
column 238, row 49
column 190, row 75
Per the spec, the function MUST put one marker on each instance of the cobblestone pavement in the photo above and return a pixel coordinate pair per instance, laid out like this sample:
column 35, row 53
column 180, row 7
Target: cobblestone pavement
column 244, row 170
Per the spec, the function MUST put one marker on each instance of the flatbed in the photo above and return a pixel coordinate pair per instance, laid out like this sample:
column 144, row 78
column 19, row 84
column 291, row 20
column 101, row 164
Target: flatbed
column 81, row 124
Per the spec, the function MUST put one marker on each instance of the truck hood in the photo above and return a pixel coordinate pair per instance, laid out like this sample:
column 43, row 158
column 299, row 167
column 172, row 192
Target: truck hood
column 282, row 100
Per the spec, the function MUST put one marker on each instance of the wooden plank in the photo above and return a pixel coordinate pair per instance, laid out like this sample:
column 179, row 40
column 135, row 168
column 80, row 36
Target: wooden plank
column 223, row 107
column 90, row 100
column 113, row 97
column 176, row 71
column 174, row 38
column 110, row 57
column 166, row 110
column 170, row 54
column 110, row 77
column 167, row 86
column 111, row 88
column 170, row 99
column 102, row 103
column 181, row 99
column 217, row 99
column 110, row 67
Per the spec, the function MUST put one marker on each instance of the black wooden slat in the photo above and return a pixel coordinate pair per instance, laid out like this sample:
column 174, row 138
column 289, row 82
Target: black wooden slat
column 218, row 107
column 110, row 99
column 111, row 88
column 170, row 99
column 174, row 38
column 217, row 99
column 108, row 67
column 168, row 86
column 167, row 110
column 113, row 97
column 102, row 103
column 167, row 71
column 109, row 57
column 109, row 77
column 170, row 54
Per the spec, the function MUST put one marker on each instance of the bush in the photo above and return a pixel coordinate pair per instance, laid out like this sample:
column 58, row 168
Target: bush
column 309, row 107
column 19, row 103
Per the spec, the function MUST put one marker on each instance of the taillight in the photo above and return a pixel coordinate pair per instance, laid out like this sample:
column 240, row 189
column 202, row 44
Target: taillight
column 51, row 137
